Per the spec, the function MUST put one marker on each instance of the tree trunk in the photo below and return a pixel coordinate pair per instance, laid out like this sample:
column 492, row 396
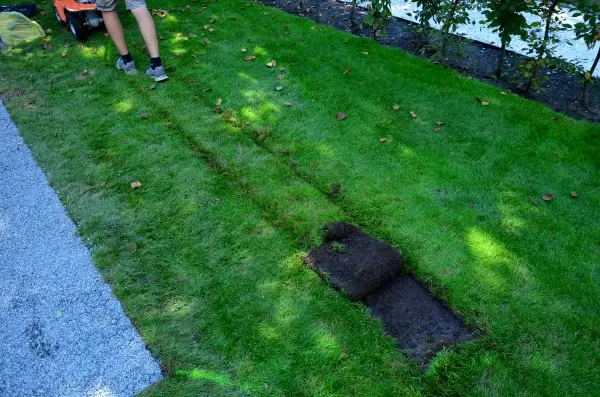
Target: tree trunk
column 301, row 5
column 542, row 50
column 353, row 15
column 501, row 57
column 586, row 84
column 446, row 28
column 319, row 11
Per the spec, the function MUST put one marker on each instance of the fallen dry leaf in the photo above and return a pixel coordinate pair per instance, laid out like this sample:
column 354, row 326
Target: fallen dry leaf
column 192, row 34
column 244, row 50
column 282, row 69
column 85, row 72
column 136, row 184
column 70, row 90
column 340, row 115
column 272, row 64
column 161, row 38
column 502, row 93
column 413, row 115
column 30, row 106
column 212, row 20
column 365, row 52
column 48, row 30
column 64, row 54
column 345, row 40
column 547, row 197
column 152, row 86
column 67, row 44
column 206, row 42
column 144, row 116
column 396, row 106
column 288, row 104
column 439, row 123
column 382, row 140
column 484, row 103
column 346, row 71
column 279, row 88
column 437, row 129
column 250, row 58
column 91, row 82
column 219, row 101
column 207, row 89
column 573, row 193
column 281, row 76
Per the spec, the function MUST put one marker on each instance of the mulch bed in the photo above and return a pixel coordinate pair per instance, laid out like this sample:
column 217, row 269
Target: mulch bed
column 478, row 60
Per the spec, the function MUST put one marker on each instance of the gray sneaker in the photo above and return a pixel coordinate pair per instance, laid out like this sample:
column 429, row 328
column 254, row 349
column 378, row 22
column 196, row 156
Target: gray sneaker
column 158, row 73
column 128, row 67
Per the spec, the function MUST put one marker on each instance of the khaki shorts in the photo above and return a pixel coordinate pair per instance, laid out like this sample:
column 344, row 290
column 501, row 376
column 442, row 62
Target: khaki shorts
column 110, row 5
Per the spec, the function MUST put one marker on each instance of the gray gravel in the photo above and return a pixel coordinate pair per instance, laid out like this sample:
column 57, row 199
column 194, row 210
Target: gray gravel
column 62, row 332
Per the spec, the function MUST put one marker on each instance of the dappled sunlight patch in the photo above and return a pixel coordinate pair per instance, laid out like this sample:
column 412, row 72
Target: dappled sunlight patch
column 495, row 264
column 169, row 19
column 202, row 374
column 268, row 112
column 328, row 344
column 178, row 51
column 255, row 97
column 513, row 223
column 246, row 77
column 485, row 247
column 124, row 106
column 249, row 114
column 258, row 51
column 286, row 311
column 269, row 332
column 178, row 307
column 325, row 149
column 406, row 151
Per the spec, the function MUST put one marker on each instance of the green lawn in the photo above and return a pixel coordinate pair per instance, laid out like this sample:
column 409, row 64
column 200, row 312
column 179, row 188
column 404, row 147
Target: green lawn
column 206, row 254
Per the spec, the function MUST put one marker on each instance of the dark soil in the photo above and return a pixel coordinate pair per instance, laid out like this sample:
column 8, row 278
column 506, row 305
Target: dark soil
column 370, row 270
column 353, row 261
column 563, row 92
column 422, row 324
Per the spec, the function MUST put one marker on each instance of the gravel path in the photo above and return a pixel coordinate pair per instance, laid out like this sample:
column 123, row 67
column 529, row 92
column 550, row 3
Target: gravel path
column 62, row 332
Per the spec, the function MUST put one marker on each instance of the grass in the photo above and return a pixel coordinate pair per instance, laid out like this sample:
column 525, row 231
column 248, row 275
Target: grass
column 206, row 254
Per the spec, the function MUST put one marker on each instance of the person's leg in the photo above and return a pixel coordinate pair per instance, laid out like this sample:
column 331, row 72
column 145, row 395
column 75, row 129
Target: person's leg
column 147, row 29
column 115, row 30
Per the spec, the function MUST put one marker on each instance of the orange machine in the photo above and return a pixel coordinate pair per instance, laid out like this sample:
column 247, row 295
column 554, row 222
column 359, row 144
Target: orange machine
column 80, row 16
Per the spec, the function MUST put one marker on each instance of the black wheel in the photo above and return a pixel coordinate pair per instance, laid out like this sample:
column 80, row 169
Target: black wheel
column 75, row 23
column 57, row 16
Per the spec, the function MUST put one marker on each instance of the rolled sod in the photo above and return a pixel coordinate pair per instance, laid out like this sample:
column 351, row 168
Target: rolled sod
column 353, row 261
